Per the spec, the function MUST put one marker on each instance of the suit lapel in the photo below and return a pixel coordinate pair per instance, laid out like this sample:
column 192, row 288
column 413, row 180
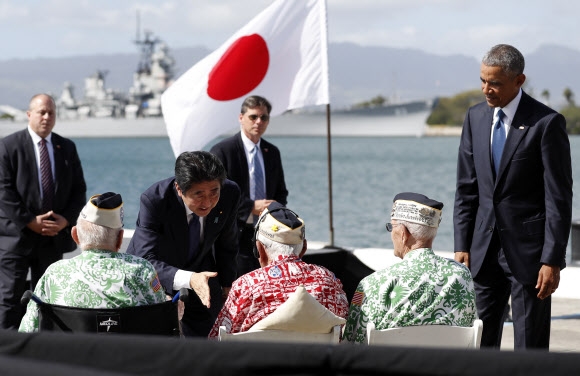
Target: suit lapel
column 264, row 147
column 243, row 162
column 179, row 227
column 482, row 131
column 32, row 165
column 518, row 130
column 60, row 163
column 515, row 135
column 212, row 222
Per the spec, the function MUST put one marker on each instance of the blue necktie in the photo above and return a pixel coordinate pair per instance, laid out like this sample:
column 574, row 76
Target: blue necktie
column 258, row 178
column 498, row 141
column 194, row 230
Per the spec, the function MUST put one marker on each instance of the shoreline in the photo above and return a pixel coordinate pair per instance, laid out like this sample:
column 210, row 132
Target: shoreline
column 442, row 130
column 285, row 125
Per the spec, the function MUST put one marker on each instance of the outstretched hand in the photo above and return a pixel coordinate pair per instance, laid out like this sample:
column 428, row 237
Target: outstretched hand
column 199, row 283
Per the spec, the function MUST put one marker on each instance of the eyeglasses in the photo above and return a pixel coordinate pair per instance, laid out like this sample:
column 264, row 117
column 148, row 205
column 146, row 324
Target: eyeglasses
column 262, row 117
column 390, row 226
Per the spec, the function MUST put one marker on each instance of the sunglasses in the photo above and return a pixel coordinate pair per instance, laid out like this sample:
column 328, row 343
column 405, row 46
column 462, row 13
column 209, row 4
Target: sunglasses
column 390, row 226
column 262, row 117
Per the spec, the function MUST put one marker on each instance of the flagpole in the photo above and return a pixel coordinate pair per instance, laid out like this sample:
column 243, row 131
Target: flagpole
column 329, row 159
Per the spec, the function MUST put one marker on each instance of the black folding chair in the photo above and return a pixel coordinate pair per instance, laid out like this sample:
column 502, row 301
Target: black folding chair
column 154, row 319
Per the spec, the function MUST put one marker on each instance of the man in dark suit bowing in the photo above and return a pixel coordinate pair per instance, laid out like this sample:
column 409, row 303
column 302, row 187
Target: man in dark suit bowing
column 513, row 204
column 42, row 191
column 256, row 166
column 187, row 229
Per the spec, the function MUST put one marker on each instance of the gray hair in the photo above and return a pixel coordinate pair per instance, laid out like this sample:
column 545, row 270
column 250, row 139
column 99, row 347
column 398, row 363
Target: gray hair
column 92, row 236
column 420, row 232
column 507, row 57
column 275, row 249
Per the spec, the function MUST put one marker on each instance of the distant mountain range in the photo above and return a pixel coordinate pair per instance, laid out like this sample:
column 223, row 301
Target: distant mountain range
column 357, row 73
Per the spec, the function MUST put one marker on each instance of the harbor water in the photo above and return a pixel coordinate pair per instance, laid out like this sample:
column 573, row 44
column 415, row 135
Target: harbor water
column 367, row 173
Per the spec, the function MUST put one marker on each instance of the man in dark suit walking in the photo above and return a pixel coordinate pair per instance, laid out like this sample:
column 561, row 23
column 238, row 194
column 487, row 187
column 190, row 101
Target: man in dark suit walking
column 42, row 191
column 256, row 166
column 186, row 227
column 513, row 204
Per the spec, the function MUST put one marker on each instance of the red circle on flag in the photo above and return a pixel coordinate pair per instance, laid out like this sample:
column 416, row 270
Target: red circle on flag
column 240, row 69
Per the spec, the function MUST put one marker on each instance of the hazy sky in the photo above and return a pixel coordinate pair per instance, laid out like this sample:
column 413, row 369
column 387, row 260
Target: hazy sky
column 54, row 28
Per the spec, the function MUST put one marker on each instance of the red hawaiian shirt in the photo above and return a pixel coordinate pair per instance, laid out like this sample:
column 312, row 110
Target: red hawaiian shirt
column 257, row 294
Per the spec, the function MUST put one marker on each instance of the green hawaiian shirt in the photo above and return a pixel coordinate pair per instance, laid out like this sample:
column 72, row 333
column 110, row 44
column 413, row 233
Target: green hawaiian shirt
column 96, row 279
column 422, row 289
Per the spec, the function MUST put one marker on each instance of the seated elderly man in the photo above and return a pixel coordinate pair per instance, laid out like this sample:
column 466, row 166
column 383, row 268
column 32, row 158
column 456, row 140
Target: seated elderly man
column 422, row 289
column 99, row 277
column 279, row 244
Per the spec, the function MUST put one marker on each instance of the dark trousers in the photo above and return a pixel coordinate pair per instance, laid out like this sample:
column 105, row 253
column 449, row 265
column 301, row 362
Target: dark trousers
column 197, row 319
column 531, row 316
column 246, row 261
column 14, row 268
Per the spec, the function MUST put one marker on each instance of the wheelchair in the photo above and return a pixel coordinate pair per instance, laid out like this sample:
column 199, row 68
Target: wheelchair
column 155, row 319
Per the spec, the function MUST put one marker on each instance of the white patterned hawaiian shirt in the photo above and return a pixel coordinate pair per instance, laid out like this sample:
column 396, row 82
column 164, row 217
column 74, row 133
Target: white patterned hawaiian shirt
column 422, row 289
column 96, row 279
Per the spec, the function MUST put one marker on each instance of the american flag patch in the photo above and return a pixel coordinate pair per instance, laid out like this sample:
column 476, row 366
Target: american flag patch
column 358, row 298
column 155, row 284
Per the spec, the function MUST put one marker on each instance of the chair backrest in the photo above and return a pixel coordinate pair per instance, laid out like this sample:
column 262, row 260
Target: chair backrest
column 281, row 336
column 427, row 336
column 155, row 319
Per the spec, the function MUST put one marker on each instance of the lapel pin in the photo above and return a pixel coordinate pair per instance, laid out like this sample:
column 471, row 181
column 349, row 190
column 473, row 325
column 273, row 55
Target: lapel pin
column 521, row 127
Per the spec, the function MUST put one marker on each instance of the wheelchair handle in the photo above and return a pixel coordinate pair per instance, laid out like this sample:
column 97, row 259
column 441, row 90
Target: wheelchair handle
column 182, row 294
column 29, row 295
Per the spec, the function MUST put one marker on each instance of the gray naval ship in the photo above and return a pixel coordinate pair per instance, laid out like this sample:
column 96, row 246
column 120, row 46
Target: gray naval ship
column 154, row 73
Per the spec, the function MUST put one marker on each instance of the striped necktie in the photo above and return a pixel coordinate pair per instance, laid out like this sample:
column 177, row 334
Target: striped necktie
column 45, row 177
column 498, row 141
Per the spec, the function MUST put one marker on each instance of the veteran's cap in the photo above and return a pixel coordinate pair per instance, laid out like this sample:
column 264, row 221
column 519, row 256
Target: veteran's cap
column 281, row 224
column 104, row 210
column 417, row 208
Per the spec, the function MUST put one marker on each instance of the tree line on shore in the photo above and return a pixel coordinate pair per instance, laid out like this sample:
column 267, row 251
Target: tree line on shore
column 451, row 111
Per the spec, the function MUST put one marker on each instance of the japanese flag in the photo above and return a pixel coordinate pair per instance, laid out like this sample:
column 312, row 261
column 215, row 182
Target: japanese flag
column 281, row 55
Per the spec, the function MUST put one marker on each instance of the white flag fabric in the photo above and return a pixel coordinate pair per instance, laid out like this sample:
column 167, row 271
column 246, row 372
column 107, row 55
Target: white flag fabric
column 281, row 55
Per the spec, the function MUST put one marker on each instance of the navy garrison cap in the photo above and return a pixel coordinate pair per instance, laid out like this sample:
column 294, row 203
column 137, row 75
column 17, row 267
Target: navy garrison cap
column 281, row 224
column 104, row 210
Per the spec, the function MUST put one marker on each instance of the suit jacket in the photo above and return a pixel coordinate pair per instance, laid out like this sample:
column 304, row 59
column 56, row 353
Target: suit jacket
column 20, row 191
column 161, row 234
column 233, row 156
column 529, row 203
